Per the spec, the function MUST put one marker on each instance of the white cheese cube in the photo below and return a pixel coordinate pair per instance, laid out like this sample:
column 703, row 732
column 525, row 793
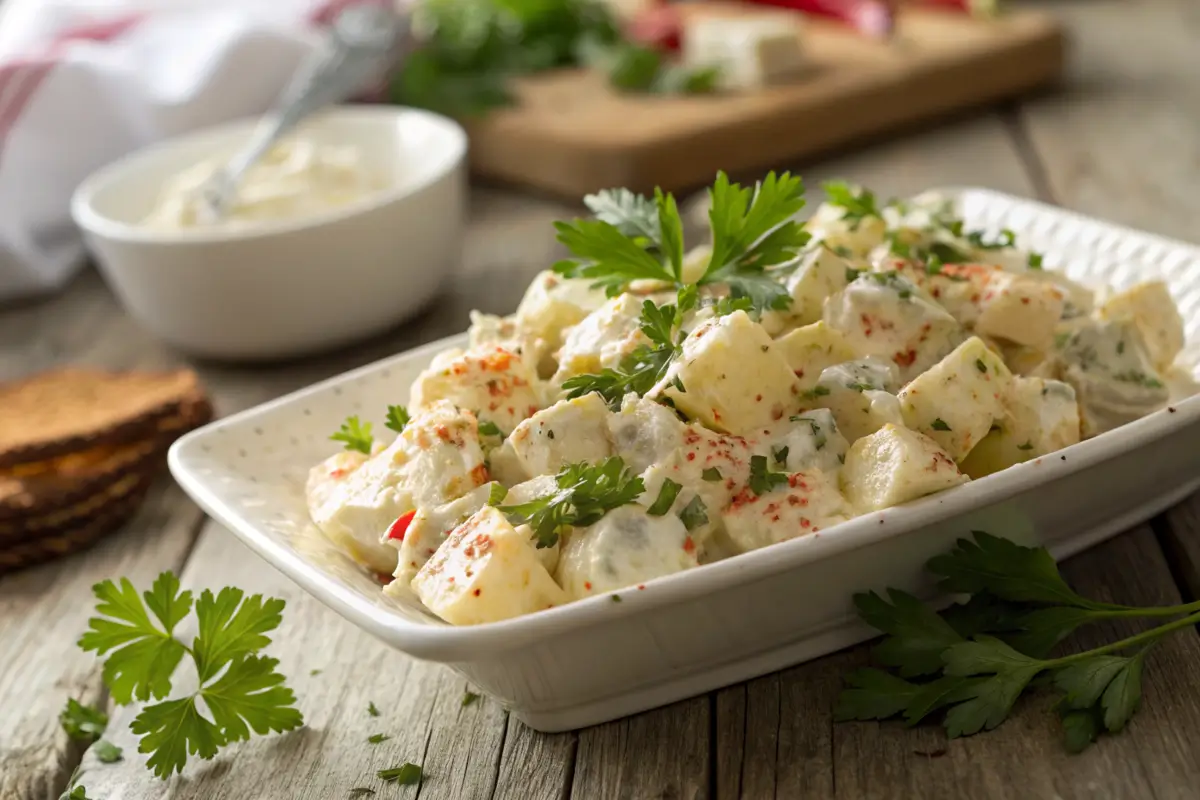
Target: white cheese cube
column 1021, row 310
column 626, row 547
column 602, row 339
column 749, row 52
column 1150, row 308
column 812, row 348
column 809, row 502
column 485, row 571
column 1043, row 417
column 895, row 465
column 553, row 303
column 732, row 377
column 821, row 273
column 567, row 432
column 1110, row 368
column 802, row 442
column 496, row 384
column 957, row 400
column 884, row 314
column 856, row 393
column 436, row 459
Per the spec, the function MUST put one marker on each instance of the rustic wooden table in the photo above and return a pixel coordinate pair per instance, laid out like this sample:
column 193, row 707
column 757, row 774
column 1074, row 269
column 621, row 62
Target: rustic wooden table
column 1120, row 142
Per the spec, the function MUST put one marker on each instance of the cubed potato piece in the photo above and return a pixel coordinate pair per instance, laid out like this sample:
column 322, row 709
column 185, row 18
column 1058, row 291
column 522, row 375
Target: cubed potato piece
column 1151, row 309
column 1043, row 417
column 884, row 314
column 436, row 459
column 802, row 442
column 830, row 227
column 856, row 393
column 626, row 547
column 809, row 502
column 429, row 527
column 1021, row 310
column 553, row 303
column 567, row 432
column 496, row 384
column 602, row 339
column 957, row 400
column 821, row 273
column 895, row 465
column 810, row 349
column 485, row 571
column 644, row 432
column 1109, row 366
column 730, row 377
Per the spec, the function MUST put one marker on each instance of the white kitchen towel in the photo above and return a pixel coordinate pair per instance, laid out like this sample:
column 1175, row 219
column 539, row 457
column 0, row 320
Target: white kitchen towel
column 83, row 82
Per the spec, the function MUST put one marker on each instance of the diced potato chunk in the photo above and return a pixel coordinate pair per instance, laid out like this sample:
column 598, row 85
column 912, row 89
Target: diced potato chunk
column 429, row 527
column 884, row 314
column 810, row 349
column 957, row 400
column 553, row 303
column 567, row 432
column 602, row 339
column 733, row 378
column 1020, row 310
column 626, row 547
column 895, row 465
column 1150, row 308
column 820, row 274
column 809, row 502
column 830, row 226
column 485, row 571
column 436, row 459
column 1043, row 417
column 1108, row 364
column 644, row 432
column 856, row 394
column 495, row 383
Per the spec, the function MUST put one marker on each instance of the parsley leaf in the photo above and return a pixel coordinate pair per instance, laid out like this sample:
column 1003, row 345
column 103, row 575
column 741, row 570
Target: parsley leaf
column 632, row 214
column 82, row 722
column 376, row 738
column 171, row 730
column 586, row 492
column 143, row 655
column 857, row 203
column 355, row 435
column 711, row 474
column 917, row 636
column 874, row 694
column 489, row 428
column 232, row 626
column 694, row 514
column 397, row 418
column 939, row 424
column 607, row 257
column 371, row 709
column 469, row 698
column 762, row 480
column 497, row 494
column 107, row 753
column 406, row 774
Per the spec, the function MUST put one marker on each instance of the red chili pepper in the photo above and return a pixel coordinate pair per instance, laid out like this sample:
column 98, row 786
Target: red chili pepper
column 976, row 8
column 398, row 528
column 874, row 18
column 658, row 27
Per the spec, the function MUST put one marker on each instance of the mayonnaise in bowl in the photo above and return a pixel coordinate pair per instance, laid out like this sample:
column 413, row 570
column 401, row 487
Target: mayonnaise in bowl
column 299, row 177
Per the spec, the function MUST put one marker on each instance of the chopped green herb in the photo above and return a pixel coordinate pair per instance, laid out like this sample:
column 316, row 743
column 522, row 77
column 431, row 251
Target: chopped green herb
column 489, row 428
column 762, row 480
column 586, row 492
column 1026, row 446
column 678, row 384
column 469, row 698
column 816, row 391
column 852, row 274
column 780, row 454
column 939, row 425
column 666, row 498
column 107, row 752
column 376, row 738
column 314, row 672
column 398, row 418
column 1004, row 240
column 406, row 774
column 82, row 722
column 497, row 494
column 372, row 710
column 1035, row 260
column 711, row 474
column 860, row 387
column 979, row 365
column 616, row 598
column 1138, row 377
column 355, row 435
column 857, row 203
column 694, row 514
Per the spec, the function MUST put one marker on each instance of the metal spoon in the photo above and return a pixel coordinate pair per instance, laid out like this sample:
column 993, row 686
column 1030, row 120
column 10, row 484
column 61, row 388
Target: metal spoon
column 359, row 41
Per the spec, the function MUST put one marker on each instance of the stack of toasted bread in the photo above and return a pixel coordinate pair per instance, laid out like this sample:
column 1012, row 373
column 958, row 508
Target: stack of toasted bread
column 79, row 449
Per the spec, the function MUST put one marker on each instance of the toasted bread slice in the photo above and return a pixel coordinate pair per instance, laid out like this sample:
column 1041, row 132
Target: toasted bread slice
column 75, row 409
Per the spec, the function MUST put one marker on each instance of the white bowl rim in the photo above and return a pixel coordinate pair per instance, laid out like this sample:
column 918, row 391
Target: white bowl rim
column 88, row 218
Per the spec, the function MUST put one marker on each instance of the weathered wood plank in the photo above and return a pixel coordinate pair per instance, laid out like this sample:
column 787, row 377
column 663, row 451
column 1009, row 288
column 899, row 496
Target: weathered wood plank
column 421, row 707
column 1180, row 535
column 535, row 766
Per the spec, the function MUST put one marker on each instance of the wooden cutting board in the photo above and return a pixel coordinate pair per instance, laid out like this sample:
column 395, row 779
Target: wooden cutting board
column 570, row 134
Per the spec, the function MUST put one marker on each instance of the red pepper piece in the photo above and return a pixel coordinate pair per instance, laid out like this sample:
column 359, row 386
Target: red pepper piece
column 398, row 528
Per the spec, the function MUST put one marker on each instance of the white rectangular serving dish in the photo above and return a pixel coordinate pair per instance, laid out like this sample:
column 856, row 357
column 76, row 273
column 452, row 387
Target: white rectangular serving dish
column 685, row 634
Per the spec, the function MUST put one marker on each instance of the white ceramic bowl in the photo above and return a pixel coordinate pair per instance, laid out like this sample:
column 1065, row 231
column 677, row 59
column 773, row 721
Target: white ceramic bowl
column 279, row 289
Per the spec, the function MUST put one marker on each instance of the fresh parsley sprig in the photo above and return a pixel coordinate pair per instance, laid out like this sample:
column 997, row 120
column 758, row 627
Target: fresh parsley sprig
column 242, row 691
column 762, row 479
column 355, row 435
column 975, row 659
column 857, row 203
column 586, row 492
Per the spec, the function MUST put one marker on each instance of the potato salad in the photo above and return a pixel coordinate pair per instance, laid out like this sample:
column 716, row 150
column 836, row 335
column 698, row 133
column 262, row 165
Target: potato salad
column 650, row 408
